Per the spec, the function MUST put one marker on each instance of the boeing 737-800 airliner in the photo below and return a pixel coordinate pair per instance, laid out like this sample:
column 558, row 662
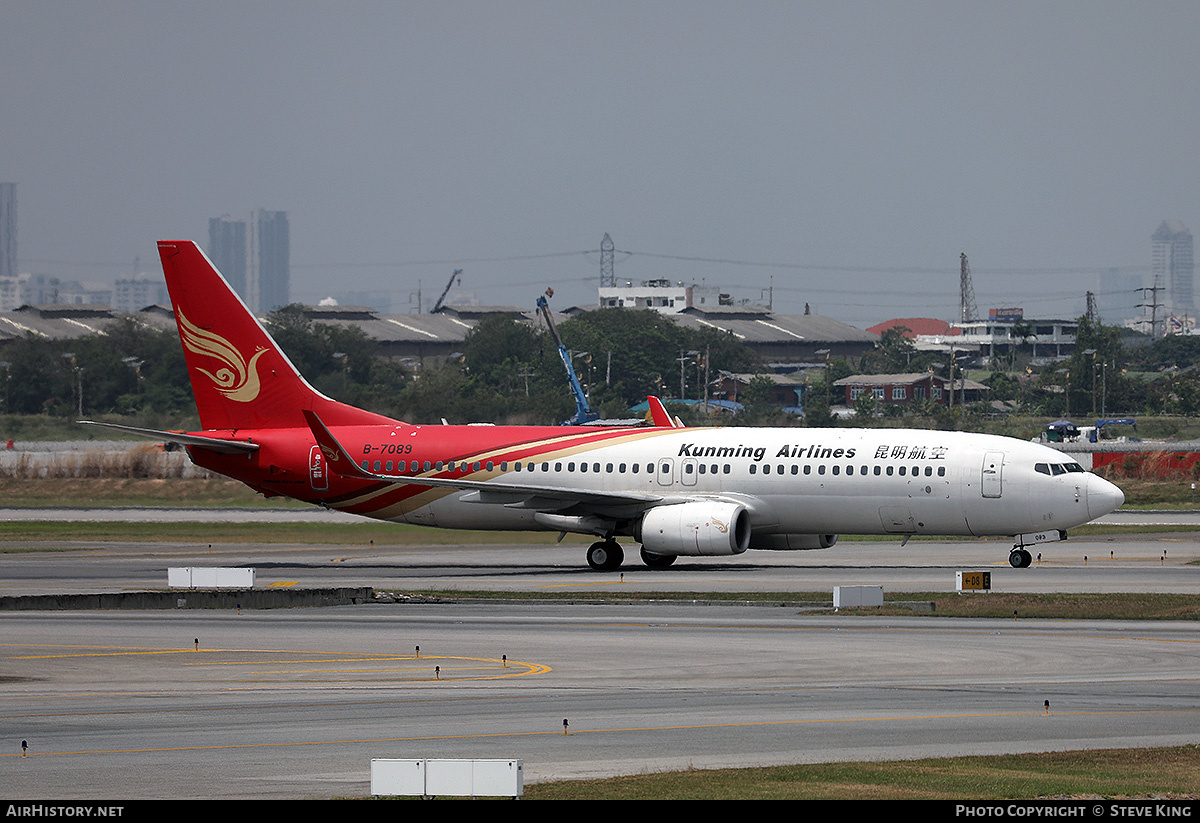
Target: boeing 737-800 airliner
column 677, row 491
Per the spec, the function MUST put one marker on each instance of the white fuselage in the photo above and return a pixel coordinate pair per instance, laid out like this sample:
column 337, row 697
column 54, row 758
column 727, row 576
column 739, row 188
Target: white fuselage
column 807, row 481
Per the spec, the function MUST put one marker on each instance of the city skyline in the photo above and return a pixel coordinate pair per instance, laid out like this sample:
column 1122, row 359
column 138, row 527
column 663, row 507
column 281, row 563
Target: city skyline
column 235, row 248
column 840, row 155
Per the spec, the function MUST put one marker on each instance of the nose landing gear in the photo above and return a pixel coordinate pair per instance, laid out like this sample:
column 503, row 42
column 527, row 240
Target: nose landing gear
column 1018, row 558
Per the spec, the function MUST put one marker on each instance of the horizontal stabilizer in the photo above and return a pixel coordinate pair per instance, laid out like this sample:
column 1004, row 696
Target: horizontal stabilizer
column 197, row 440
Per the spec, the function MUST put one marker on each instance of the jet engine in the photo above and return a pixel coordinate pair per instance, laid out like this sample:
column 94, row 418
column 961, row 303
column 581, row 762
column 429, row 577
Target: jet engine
column 792, row 542
column 695, row 529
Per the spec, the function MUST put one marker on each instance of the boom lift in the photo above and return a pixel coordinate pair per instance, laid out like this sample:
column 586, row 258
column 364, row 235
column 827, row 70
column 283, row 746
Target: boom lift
column 584, row 413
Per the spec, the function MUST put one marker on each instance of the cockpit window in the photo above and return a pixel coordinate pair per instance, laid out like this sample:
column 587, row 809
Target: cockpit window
column 1056, row 469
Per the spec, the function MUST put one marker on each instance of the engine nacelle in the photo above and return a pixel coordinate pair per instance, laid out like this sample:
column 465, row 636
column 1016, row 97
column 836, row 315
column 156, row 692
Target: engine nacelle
column 696, row 529
column 792, row 542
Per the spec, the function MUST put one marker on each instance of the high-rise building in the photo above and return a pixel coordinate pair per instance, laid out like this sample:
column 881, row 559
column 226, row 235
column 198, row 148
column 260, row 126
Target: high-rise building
column 254, row 255
column 1118, row 296
column 270, row 258
column 1171, row 264
column 227, row 250
column 8, row 229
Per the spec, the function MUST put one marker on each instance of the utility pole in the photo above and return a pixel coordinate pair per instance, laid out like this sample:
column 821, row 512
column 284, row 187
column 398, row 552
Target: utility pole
column 608, row 278
column 1153, row 305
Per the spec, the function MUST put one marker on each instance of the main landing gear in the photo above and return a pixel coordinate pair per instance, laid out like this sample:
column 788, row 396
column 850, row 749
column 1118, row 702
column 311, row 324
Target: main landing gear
column 605, row 556
column 1018, row 558
column 657, row 561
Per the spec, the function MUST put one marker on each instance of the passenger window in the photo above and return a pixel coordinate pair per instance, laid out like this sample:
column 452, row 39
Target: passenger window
column 889, row 471
column 727, row 467
column 878, row 471
column 582, row 467
column 571, row 467
column 389, row 465
column 376, row 465
column 795, row 469
column 753, row 468
column 607, row 467
column 929, row 471
column 941, row 471
column 621, row 469
column 596, row 467
column 835, row 468
column 821, row 469
column 807, row 468
column 902, row 469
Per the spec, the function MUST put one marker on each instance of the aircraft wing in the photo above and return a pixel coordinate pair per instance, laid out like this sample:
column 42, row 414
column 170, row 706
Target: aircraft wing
column 524, row 495
column 211, row 443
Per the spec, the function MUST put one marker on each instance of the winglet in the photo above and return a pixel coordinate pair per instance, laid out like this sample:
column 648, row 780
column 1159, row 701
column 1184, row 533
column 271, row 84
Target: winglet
column 337, row 458
column 658, row 413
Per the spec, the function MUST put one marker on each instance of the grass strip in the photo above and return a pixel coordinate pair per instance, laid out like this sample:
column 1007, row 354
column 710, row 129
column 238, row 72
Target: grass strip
column 1160, row 773
column 1021, row 606
column 382, row 534
column 392, row 534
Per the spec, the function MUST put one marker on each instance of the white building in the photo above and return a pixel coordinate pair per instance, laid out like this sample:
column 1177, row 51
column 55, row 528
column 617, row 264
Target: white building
column 135, row 294
column 661, row 296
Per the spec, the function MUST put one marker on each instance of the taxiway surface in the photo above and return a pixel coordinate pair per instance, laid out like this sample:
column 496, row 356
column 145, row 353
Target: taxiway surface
column 295, row 702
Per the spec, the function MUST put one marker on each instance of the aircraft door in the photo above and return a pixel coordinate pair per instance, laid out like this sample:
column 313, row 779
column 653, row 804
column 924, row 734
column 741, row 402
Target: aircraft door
column 992, row 482
column 318, row 477
column 666, row 472
column 687, row 472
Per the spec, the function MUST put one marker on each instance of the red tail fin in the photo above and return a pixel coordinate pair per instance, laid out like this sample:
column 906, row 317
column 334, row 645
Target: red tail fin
column 240, row 377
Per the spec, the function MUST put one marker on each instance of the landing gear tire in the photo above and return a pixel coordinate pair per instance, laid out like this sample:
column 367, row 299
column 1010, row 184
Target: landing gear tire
column 657, row 561
column 1020, row 559
column 605, row 556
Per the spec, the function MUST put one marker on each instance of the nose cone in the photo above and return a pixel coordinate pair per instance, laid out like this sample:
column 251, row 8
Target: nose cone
column 1102, row 497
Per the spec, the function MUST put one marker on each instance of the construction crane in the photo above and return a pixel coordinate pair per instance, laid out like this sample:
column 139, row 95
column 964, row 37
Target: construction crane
column 446, row 290
column 583, row 410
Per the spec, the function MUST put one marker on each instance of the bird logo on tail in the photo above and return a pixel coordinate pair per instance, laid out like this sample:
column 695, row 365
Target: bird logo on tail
column 237, row 380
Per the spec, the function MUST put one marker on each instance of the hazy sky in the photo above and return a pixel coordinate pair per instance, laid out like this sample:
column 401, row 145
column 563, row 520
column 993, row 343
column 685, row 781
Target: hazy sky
column 847, row 150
